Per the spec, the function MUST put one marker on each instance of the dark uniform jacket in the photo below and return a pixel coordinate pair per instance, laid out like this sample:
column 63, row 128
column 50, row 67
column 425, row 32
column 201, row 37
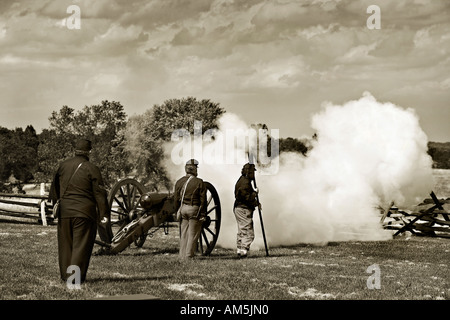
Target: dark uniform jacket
column 85, row 193
column 195, row 194
column 244, row 194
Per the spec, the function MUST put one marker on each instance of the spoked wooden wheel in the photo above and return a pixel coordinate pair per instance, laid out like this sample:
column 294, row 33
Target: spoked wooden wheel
column 123, row 200
column 211, row 225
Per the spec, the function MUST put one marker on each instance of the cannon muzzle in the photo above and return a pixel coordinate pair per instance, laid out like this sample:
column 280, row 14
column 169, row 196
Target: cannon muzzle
column 151, row 200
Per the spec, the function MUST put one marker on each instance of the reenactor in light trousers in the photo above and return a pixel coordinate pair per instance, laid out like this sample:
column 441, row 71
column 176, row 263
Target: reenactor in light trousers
column 190, row 195
column 246, row 201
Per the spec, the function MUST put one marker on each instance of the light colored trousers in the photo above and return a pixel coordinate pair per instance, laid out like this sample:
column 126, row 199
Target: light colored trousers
column 246, row 232
column 189, row 231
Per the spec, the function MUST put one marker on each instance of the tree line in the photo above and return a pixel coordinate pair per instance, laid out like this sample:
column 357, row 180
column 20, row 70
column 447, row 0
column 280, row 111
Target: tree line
column 123, row 146
column 440, row 153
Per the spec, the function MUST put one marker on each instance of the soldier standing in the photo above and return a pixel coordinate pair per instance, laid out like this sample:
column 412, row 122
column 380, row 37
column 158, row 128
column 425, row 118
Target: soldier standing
column 244, row 206
column 79, row 185
column 190, row 194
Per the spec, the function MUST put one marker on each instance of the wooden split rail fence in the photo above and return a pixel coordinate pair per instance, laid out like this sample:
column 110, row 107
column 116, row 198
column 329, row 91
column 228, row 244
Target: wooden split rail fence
column 27, row 207
column 430, row 218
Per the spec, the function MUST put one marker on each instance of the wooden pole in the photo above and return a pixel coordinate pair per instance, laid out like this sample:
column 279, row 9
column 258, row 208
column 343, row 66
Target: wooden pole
column 20, row 208
column 261, row 219
column 251, row 160
column 386, row 212
column 43, row 215
column 438, row 204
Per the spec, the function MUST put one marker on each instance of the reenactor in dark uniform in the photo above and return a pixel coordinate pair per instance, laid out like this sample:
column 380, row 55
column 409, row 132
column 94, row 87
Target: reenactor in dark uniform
column 190, row 194
column 244, row 206
column 79, row 185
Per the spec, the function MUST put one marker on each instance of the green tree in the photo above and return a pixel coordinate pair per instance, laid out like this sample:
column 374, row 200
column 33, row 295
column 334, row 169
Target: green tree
column 181, row 113
column 19, row 153
column 440, row 153
column 143, row 152
column 293, row 145
column 53, row 148
column 145, row 136
column 101, row 124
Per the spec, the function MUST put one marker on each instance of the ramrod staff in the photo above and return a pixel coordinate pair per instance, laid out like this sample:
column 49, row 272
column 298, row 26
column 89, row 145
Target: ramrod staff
column 260, row 216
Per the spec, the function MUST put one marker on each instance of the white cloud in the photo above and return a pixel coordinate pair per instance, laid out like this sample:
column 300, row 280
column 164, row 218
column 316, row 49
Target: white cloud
column 245, row 52
column 422, row 38
column 318, row 30
column 327, row 4
column 277, row 73
column 358, row 54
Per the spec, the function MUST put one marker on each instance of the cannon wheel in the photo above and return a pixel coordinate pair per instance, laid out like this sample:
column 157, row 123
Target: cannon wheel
column 123, row 200
column 211, row 225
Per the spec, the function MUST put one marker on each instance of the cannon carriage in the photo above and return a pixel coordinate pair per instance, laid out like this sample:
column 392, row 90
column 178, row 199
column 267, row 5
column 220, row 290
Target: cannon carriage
column 136, row 213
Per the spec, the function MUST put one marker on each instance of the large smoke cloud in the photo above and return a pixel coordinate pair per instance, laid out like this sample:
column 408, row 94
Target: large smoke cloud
column 366, row 155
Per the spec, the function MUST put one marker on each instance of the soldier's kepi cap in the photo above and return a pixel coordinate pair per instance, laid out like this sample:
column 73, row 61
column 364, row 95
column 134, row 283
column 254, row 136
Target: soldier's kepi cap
column 249, row 166
column 192, row 162
column 83, row 145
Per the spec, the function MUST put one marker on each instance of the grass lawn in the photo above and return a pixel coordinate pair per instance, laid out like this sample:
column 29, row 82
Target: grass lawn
column 409, row 269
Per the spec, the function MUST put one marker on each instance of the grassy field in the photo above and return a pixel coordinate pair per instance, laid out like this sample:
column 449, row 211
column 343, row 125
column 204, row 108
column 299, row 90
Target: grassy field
column 414, row 268
column 410, row 268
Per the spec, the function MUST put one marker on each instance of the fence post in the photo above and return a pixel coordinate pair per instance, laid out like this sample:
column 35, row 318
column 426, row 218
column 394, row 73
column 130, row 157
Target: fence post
column 43, row 215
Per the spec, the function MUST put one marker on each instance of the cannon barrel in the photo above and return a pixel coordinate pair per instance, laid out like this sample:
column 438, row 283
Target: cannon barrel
column 151, row 200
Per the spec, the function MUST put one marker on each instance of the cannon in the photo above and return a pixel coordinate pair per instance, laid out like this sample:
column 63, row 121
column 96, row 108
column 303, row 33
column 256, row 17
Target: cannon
column 136, row 213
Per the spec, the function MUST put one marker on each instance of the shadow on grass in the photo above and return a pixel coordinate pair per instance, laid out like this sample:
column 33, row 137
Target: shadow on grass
column 250, row 256
column 148, row 252
column 125, row 279
column 278, row 251
column 224, row 253
column 135, row 252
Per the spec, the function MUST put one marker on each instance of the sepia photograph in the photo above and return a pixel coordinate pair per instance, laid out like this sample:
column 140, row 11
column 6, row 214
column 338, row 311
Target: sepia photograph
column 224, row 158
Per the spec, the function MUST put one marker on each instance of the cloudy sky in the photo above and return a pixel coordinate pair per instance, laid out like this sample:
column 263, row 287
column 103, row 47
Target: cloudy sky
column 269, row 61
